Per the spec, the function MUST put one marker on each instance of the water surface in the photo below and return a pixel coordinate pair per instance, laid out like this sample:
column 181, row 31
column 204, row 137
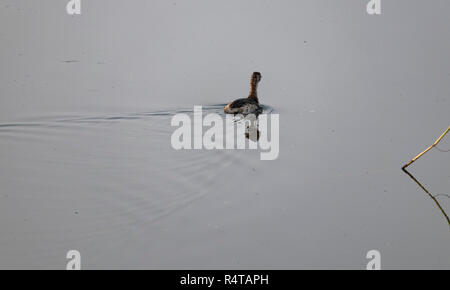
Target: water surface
column 86, row 161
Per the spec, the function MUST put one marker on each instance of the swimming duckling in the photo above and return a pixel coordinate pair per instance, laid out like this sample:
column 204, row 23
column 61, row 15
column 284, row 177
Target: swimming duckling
column 248, row 105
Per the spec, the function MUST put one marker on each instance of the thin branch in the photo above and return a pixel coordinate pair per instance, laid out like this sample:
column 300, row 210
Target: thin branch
column 426, row 150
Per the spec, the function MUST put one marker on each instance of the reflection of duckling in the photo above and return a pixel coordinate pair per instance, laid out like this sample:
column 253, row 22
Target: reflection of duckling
column 252, row 129
column 248, row 105
column 253, row 135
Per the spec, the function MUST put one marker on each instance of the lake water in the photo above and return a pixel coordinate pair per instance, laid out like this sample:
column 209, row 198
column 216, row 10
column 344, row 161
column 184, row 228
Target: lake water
column 86, row 103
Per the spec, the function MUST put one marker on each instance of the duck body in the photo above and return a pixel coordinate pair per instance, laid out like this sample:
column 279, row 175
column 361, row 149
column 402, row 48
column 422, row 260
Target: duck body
column 243, row 106
column 248, row 105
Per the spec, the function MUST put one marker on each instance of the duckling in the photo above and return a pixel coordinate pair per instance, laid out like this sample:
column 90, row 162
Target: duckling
column 248, row 105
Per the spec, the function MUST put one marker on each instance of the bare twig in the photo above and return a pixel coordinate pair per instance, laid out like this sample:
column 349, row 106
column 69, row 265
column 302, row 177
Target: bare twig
column 426, row 150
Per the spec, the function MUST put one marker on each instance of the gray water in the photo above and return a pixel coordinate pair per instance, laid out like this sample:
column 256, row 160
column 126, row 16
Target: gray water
column 86, row 161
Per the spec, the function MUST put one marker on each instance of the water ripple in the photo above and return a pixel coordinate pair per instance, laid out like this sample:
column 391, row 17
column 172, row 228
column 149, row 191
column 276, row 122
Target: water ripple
column 116, row 171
